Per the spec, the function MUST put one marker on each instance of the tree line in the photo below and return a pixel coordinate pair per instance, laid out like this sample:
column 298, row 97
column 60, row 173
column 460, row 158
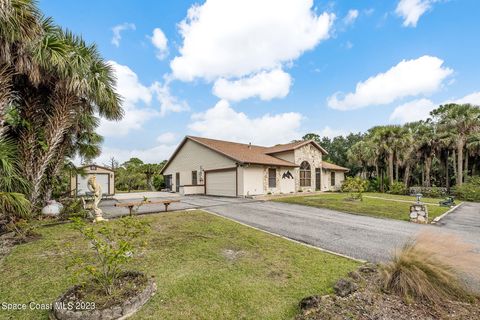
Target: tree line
column 441, row 151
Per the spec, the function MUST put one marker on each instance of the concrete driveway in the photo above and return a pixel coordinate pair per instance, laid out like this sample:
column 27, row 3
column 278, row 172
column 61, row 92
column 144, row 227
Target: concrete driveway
column 361, row 237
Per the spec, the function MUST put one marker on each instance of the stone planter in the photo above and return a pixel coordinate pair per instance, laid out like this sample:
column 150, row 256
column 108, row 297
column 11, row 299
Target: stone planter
column 418, row 213
column 62, row 311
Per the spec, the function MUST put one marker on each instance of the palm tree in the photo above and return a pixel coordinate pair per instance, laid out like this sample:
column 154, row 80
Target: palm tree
column 461, row 120
column 74, row 80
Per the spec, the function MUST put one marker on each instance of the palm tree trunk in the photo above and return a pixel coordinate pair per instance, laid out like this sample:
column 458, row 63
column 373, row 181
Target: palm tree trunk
column 466, row 163
column 406, row 177
column 396, row 171
column 460, row 144
column 447, row 176
column 454, row 157
column 390, row 168
column 428, row 165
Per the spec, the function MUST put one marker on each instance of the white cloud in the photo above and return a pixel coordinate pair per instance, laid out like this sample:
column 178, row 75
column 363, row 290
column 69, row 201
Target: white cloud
column 412, row 111
column 472, row 98
column 167, row 138
column 265, row 85
column 424, row 75
column 168, row 102
column 412, row 10
column 159, row 40
column 117, row 30
column 351, row 16
column 420, row 109
column 137, row 101
column 222, row 122
column 231, row 38
column 133, row 93
column 332, row 132
column 150, row 155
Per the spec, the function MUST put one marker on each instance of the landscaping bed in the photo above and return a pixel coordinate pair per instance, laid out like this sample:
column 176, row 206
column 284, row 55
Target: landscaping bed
column 383, row 208
column 370, row 302
column 205, row 267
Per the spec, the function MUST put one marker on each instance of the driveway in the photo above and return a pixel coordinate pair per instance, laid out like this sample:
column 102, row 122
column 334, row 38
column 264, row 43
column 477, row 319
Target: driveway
column 361, row 237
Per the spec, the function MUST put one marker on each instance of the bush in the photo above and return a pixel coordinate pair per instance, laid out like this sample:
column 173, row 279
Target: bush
column 113, row 246
column 355, row 187
column 470, row 190
column 431, row 192
column 429, row 267
column 398, row 188
column 73, row 208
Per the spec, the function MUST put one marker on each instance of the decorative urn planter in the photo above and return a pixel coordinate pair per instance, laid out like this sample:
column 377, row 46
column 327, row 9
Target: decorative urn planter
column 53, row 208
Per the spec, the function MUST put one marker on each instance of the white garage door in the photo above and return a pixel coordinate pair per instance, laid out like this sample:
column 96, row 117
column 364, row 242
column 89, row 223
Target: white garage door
column 221, row 183
column 102, row 179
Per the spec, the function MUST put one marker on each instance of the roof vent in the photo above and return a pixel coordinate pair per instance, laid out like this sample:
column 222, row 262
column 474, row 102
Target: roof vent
column 249, row 145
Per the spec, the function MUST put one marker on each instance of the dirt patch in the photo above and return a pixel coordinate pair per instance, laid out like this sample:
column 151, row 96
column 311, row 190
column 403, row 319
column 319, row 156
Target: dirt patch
column 130, row 285
column 369, row 302
column 232, row 255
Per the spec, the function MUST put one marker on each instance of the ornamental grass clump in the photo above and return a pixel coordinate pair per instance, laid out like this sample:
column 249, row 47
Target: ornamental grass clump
column 430, row 269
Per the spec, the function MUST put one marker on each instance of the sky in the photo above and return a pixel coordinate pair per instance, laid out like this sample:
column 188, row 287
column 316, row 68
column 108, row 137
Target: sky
column 270, row 71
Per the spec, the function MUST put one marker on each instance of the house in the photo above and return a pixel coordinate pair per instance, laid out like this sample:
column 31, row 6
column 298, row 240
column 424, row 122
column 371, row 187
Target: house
column 105, row 177
column 223, row 168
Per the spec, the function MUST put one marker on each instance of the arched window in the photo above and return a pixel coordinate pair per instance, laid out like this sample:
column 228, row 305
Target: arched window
column 305, row 174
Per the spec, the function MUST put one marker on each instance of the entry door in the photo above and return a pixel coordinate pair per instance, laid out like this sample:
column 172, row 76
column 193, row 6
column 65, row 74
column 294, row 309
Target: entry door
column 177, row 181
column 318, row 179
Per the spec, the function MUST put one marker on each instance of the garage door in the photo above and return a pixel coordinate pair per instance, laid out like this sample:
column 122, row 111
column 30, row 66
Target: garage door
column 102, row 179
column 221, row 183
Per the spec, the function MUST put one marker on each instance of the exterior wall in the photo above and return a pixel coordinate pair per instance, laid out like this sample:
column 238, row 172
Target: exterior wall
column 252, row 180
column 326, row 180
column 98, row 170
column 283, row 184
column 193, row 156
column 187, row 190
column 314, row 157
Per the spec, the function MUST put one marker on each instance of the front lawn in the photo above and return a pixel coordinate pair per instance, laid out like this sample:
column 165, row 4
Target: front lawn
column 206, row 267
column 385, row 208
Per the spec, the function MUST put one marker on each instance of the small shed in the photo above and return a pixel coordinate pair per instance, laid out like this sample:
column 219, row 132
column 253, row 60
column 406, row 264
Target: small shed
column 105, row 177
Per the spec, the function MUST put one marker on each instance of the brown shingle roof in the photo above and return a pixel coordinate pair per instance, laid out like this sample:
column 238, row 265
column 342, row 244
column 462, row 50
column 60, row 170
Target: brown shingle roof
column 242, row 152
column 292, row 146
column 247, row 153
column 331, row 166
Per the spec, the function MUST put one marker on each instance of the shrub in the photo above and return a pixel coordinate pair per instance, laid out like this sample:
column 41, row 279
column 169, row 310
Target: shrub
column 432, row 192
column 470, row 190
column 398, row 188
column 429, row 267
column 113, row 247
column 73, row 208
column 355, row 187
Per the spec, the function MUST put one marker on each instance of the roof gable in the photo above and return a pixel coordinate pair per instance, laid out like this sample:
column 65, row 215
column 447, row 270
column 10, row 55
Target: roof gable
column 240, row 152
column 294, row 145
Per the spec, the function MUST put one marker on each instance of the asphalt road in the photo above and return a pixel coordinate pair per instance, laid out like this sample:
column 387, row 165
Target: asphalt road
column 357, row 236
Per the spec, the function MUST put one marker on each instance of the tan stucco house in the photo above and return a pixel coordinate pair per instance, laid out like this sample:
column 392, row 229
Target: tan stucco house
column 223, row 168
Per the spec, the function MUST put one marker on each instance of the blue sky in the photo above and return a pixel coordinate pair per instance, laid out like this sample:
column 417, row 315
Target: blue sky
column 269, row 71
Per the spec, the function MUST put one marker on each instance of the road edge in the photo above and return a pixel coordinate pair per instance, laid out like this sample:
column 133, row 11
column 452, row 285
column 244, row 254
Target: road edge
column 437, row 219
column 286, row 238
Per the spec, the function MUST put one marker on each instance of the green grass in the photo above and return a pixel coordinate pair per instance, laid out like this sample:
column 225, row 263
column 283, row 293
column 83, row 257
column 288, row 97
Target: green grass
column 195, row 279
column 384, row 208
column 406, row 198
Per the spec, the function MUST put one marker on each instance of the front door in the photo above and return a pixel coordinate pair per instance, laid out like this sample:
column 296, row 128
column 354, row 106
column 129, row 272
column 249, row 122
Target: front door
column 177, row 182
column 318, row 177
